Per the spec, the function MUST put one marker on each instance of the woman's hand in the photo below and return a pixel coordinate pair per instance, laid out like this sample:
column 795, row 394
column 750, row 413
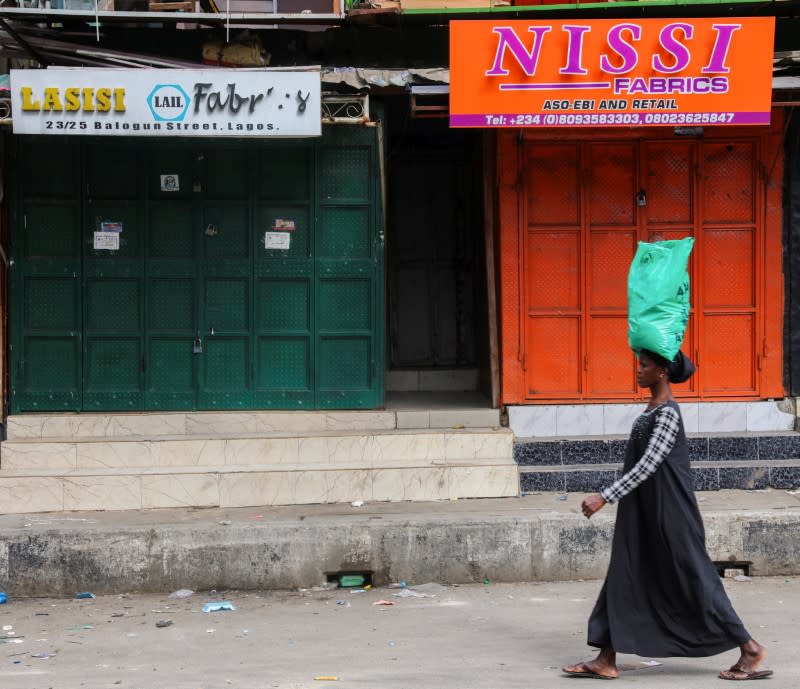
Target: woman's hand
column 592, row 504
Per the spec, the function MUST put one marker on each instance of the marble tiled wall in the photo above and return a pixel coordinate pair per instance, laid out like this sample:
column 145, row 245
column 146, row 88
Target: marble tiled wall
column 575, row 420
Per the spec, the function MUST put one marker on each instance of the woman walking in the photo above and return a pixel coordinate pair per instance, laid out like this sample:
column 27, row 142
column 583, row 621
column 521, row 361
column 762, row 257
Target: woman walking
column 662, row 596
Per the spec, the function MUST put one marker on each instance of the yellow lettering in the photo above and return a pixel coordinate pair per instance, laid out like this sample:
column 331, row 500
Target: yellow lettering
column 88, row 99
column 27, row 100
column 103, row 99
column 119, row 100
column 52, row 99
column 73, row 99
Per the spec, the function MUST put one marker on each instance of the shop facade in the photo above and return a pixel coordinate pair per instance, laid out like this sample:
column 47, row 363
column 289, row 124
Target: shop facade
column 187, row 272
column 586, row 169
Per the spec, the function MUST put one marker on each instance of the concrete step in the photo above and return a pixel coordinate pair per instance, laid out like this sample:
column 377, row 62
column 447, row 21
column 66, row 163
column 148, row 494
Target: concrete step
column 534, row 538
column 251, row 485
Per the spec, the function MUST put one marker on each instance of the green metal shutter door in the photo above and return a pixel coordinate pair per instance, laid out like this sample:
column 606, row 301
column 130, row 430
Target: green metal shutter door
column 284, row 279
column 113, row 287
column 171, row 326
column 46, row 348
column 349, row 357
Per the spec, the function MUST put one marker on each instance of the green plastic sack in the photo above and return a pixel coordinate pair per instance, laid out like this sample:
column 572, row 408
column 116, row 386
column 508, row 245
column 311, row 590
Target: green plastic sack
column 658, row 296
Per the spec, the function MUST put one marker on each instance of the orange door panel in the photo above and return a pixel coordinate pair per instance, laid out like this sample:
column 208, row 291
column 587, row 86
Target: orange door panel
column 730, row 258
column 572, row 226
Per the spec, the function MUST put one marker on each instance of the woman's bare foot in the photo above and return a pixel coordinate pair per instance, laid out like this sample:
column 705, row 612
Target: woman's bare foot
column 602, row 667
column 753, row 654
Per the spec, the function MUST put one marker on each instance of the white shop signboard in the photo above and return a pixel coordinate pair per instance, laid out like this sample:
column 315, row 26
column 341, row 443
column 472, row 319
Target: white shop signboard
column 166, row 102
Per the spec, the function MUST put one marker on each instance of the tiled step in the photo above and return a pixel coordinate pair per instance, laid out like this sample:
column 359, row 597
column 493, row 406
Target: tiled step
column 365, row 450
column 736, row 461
column 255, row 485
column 778, row 474
column 149, row 424
column 158, row 424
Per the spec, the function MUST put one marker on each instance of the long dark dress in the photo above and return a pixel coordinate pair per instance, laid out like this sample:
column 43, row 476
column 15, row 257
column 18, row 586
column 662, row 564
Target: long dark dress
column 662, row 596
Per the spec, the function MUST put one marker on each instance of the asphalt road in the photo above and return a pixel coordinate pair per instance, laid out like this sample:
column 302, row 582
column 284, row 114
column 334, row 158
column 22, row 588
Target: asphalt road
column 491, row 636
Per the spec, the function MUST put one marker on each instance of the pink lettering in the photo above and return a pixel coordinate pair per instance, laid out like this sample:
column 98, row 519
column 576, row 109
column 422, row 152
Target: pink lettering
column 575, row 50
column 527, row 59
column 674, row 47
column 622, row 48
column 716, row 63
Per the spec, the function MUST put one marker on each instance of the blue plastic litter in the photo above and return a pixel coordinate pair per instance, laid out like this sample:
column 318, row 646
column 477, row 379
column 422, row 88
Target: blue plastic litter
column 85, row 594
column 215, row 605
column 3, row 598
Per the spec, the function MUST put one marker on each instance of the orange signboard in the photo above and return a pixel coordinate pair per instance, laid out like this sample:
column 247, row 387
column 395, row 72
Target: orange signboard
column 611, row 72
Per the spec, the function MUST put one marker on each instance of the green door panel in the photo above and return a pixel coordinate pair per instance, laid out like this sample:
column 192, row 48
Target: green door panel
column 113, row 284
column 45, row 281
column 192, row 311
column 349, row 284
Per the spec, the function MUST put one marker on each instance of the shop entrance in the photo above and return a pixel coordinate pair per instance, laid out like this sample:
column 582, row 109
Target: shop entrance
column 584, row 206
column 196, row 275
column 435, row 256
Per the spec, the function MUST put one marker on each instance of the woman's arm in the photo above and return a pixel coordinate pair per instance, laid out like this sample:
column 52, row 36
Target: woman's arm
column 662, row 440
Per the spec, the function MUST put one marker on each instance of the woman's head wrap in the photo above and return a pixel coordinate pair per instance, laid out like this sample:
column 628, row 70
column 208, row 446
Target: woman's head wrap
column 679, row 370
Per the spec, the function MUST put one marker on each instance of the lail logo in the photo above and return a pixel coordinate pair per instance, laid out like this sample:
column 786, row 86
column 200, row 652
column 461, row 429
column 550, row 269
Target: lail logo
column 168, row 103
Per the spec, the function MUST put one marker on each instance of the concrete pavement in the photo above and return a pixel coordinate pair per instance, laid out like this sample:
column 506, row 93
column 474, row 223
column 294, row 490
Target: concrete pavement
column 496, row 636
column 536, row 538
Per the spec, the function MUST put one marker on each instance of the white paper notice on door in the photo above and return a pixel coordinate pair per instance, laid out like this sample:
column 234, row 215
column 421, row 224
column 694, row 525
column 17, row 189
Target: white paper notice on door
column 277, row 240
column 106, row 241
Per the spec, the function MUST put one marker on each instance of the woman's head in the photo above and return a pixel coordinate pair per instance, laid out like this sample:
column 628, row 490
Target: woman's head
column 653, row 367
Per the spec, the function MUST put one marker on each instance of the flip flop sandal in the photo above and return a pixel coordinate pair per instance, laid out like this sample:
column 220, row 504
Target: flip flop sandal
column 586, row 672
column 743, row 674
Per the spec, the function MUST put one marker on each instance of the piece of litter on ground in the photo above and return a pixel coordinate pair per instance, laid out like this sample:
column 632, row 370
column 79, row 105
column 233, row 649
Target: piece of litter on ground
column 357, row 503
column 742, row 577
column 562, row 497
column 12, row 641
column 80, row 627
column 163, row 623
column 650, row 663
column 8, row 627
column 358, row 590
column 84, row 594
column 343, row 602
column 430, row 587
column 181, row 593
column 216, row 605
column 326, row 678
column 210, row 631
column 225, row 522
column 42, row 656
column 410, row 593
column 383, row 602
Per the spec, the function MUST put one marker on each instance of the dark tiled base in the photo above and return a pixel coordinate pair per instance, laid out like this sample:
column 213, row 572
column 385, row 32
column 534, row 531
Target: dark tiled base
column 616, row 450
column 585, row 452
column 542, row 481
column 698, row 449
column 723, row 449
column 787, row 478
column 705, row 479
column 745, row 478
column 779, row 447
column 589, row 481
column 538, row 454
